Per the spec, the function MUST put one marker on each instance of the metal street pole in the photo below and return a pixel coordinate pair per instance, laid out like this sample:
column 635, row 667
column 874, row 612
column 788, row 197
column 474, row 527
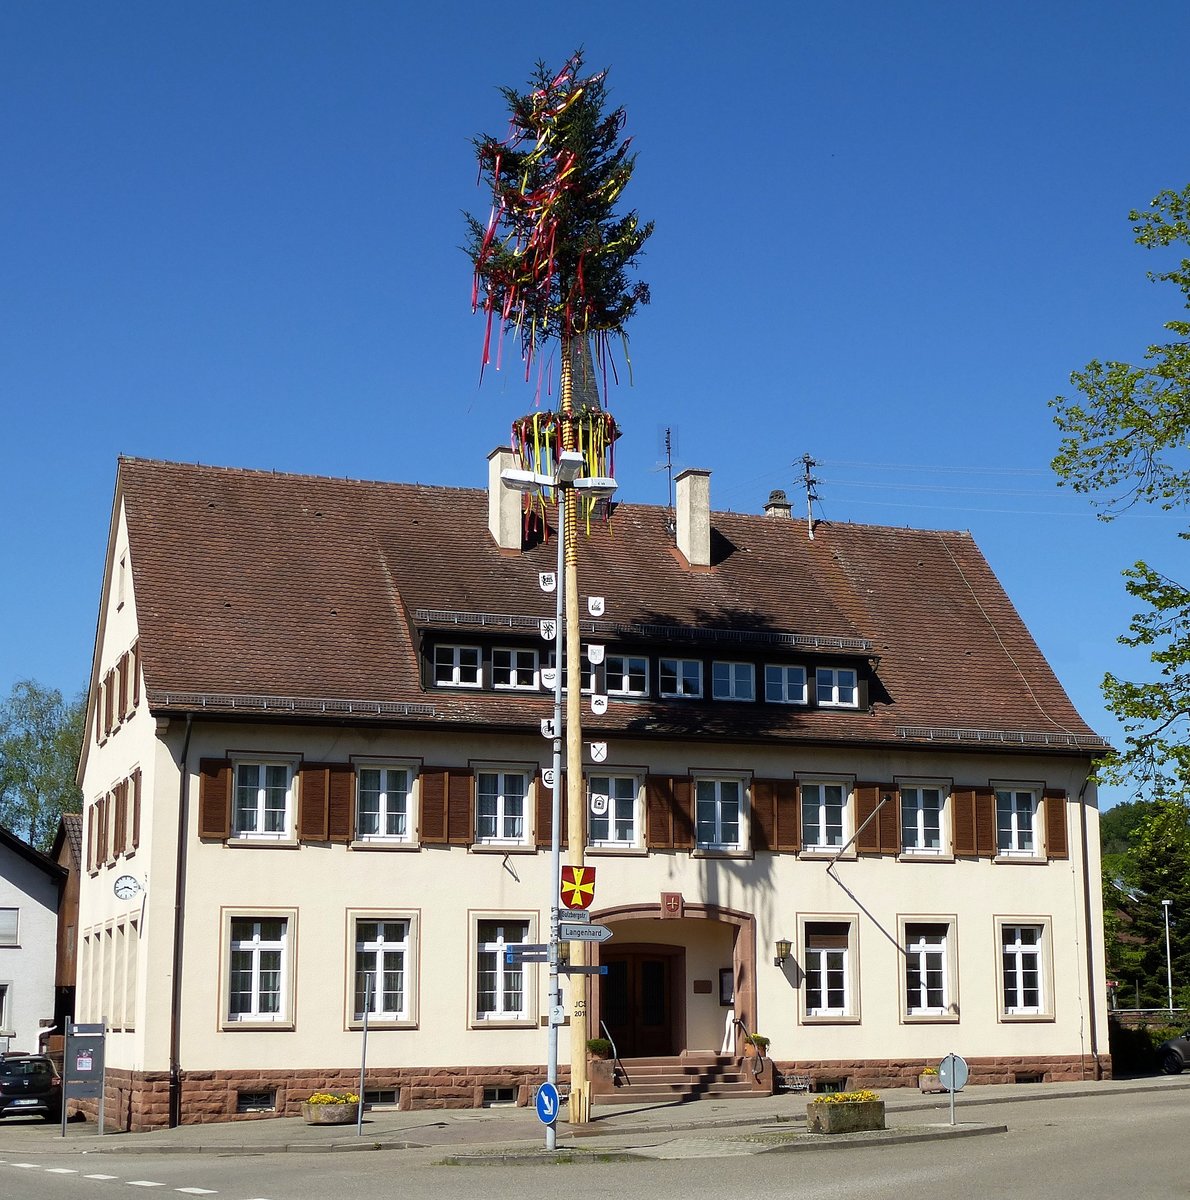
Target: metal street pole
column 1168, row 961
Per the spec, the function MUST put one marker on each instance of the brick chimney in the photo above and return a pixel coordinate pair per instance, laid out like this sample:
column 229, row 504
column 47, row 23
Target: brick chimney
column 693, row 493
column 504, row 504
column 778, row 504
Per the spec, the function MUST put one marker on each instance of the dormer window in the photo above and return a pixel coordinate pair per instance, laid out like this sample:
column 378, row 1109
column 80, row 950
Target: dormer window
column 458, row 666
column 837, row 687
column 681, row 677
column 733, row 681
column 784, row 685
column 514, row 669
column 627, row 675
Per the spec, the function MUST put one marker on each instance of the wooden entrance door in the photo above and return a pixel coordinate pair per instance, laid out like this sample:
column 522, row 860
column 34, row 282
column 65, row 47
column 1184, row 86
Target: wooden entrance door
column 640, row 999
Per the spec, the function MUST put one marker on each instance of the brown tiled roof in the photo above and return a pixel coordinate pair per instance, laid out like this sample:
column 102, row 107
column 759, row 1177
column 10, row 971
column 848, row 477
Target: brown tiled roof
column 250, row 585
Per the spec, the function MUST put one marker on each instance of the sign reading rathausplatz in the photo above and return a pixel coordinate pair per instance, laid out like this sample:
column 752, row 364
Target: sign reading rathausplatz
column 578, row 887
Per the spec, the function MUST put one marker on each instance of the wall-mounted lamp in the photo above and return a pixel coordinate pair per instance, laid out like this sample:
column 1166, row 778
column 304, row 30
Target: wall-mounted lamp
column 782, row 948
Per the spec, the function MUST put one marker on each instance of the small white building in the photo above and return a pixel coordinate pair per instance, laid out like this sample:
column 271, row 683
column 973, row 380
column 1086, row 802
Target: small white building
column 316, row 754
column 30, row 884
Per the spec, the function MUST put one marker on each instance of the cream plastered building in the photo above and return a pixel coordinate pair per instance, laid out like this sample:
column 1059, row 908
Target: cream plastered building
column 314, row 785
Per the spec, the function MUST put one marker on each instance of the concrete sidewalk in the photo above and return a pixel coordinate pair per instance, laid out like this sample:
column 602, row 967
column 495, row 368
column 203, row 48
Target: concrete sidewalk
column 719, row 1127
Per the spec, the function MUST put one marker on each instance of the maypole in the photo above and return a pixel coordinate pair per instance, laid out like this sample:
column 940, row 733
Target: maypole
column 552, row 262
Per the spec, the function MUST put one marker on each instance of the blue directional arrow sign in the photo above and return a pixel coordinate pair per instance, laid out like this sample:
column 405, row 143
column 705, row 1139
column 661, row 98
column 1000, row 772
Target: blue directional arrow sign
column 547, row 1103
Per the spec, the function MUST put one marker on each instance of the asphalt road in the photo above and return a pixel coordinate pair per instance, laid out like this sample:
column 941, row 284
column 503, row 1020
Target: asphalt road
column 1088, row 1148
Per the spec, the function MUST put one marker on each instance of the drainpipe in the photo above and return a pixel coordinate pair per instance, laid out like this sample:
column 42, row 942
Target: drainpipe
column 1090, row 947
column 175, row 1002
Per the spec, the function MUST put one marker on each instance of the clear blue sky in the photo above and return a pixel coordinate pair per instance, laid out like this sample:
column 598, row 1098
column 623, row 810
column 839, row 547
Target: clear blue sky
column 886, row 233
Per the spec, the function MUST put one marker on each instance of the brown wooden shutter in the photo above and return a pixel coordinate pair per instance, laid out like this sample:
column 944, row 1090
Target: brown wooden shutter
column 101, row 821
column 109, row 698
column 340, row 797
column 890, row 821
column 962, row 802
column 313, row 793
column 787, row 810
column 431, row 786
column 120, row 826
column 136, row 786
column 867, row 796
column 214, row 798
column 122, row 687
column 1055, row 823
column 683, row 824
column 985, row 822
column 91, row 809
column 99, row 712
column 545, row 812
column 659, row 808
column 136, row 673
column 764, row 814
column 460, row 807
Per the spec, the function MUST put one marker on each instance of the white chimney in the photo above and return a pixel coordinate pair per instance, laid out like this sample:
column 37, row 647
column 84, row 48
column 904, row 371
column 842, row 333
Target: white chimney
column 778, row 504
column 504, row 505
column 694, row 516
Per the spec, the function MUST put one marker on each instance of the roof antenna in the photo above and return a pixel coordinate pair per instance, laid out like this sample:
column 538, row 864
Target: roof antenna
column 811, row 495
column 669, row 444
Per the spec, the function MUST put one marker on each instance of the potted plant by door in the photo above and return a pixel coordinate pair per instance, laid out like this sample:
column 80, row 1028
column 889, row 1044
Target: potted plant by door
column 331, row 1108
column 755, row 1045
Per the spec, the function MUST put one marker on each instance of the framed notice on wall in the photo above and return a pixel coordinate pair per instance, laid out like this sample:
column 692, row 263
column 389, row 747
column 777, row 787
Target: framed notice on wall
column 726, row 987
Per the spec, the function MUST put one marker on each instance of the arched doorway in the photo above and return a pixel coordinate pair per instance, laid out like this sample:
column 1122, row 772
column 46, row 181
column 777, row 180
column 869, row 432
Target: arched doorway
column 662, row 992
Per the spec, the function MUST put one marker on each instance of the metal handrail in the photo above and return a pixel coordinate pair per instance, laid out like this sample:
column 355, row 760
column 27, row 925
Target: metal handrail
column 616, row 1059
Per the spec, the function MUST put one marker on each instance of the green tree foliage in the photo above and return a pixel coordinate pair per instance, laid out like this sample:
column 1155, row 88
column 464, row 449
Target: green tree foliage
column 1159, row 869
column 41, row 736
column 1126, row 441
column 553, row 259
column 1117, row 832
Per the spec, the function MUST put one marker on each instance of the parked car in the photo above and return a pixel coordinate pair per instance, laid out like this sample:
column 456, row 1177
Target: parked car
column 30, row 1084
column 1173, row 1055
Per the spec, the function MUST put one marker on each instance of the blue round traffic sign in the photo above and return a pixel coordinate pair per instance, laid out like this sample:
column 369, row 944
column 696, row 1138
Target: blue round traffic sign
column 547, row 1103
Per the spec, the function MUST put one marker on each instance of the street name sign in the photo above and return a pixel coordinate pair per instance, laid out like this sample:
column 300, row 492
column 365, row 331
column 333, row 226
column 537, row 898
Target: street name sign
column 575, row 932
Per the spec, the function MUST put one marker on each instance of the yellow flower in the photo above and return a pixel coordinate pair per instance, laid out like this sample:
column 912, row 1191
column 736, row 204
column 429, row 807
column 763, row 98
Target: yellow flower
column 333, row 1098
column 846, row 1097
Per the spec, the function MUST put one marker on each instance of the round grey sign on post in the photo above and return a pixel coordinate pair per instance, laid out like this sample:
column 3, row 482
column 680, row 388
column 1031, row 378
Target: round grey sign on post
column 952, row 1073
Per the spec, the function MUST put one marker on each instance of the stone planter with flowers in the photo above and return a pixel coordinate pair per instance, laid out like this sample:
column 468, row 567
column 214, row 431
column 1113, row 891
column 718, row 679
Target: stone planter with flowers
column 331, row 1108
column 845, row 1112
column 929, row 1082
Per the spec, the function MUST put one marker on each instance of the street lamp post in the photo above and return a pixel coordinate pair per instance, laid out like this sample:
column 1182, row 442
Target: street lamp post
column 569, row 486
column 1168, row 961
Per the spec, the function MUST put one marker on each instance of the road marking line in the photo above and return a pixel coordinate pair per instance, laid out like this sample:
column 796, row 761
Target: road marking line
column 60, row 1171
column 100, row 1176
column 27, row 1166
column 144, row 1183
column 197, row 1191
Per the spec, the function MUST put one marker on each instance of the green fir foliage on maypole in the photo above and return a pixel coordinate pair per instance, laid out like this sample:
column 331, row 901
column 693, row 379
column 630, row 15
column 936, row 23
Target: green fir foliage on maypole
column 553, row 261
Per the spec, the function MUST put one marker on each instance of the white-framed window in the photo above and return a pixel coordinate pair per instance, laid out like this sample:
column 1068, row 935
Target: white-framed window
column 588, row 673
column 10, row 926
column 828, row 949
column 503, row 991
column 784, row 684
column 680, row 677
column 627, row 675
column 1025, row 971
column 733, row 681
column 922, row 827
column 1016, row 822
column 502, row 807
column 719, row 814
column 836, row 687
column 263, row 806
column 383, row 967
column 258, row 968
column 824, row 815
column 930, row 974
column 516, row 669
column 384, row 803
column 458, row 666
column 6, row 1027
column 614, row 818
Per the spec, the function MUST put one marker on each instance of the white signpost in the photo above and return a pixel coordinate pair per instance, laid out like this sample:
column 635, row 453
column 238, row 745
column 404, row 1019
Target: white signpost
column 952, row 1074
